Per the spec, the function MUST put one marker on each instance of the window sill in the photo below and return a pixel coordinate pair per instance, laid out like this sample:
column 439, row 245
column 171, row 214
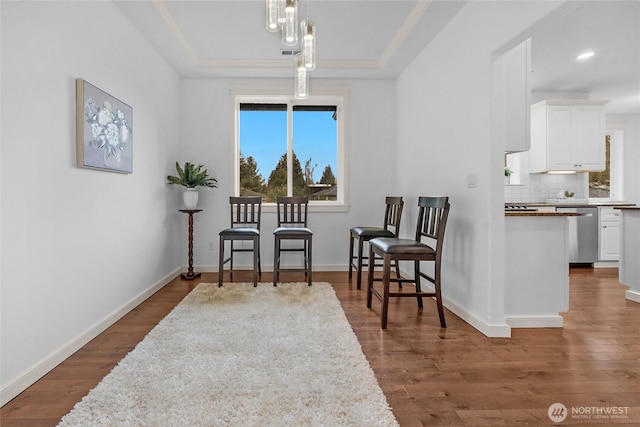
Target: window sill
column 271, row 208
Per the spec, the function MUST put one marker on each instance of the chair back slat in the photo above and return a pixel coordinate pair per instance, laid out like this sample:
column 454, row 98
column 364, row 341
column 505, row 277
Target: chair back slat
column 292, row 211
column 393, row 214
column 245, row 211
column 432, row 217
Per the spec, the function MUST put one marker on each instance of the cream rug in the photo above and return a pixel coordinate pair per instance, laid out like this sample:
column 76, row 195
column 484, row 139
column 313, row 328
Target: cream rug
column 243, row 356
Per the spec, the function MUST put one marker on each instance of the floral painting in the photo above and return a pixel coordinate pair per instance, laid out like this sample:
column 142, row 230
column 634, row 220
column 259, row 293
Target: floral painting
column 104, row 130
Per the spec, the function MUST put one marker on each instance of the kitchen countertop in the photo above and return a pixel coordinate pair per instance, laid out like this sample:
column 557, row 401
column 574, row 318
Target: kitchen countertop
column 616, row 205
column 539, row 213
column 629, row 208
column 577, row 205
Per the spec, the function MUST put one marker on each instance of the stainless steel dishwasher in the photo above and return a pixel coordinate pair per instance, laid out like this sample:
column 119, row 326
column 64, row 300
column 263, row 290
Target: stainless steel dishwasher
column 583, row 234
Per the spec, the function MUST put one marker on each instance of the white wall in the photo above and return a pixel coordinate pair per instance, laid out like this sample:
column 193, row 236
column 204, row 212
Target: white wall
column 207, row 138
column 79, row 247
column 445, row 133
column 630, row 125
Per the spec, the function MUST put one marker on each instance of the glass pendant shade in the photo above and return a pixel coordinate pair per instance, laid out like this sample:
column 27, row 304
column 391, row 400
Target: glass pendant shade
column 309, row 44
column 281, row 15
column 273, row 15
column 290, row 25
column 301, row 79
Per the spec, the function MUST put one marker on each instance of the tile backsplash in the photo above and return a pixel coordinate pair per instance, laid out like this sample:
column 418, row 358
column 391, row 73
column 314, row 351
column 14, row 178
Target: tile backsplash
column 538, row 187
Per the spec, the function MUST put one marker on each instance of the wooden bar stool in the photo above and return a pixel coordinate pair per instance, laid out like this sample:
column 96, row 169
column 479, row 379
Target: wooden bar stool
column 390, row 228
column 431, row 224
column 245, row 225
column 292, row 225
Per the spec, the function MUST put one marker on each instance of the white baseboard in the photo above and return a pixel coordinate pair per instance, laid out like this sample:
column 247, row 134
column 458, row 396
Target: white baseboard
column 491, row 330
column 21, row 383
column 633, row 296
column 535, row 321
column 605, row 264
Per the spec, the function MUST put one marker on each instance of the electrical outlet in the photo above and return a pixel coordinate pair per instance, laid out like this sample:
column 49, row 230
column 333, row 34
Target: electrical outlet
column 211, row 246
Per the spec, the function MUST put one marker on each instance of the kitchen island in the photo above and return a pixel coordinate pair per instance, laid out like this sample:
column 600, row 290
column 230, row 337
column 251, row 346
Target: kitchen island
column 629, row 263
column 536, row 268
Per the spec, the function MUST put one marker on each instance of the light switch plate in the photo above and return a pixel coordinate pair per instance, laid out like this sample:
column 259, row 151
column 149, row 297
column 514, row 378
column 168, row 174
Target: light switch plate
column 472, row 180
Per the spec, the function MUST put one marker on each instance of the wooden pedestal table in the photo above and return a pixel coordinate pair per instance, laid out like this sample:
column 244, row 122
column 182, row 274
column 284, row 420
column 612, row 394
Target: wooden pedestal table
column 190, row 274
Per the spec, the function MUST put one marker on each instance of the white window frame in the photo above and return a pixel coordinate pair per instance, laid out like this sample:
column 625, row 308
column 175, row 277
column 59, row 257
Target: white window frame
column 321, row 96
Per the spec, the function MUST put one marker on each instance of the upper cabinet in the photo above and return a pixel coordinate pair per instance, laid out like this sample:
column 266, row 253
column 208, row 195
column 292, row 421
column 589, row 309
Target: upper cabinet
column 517, row 85
column 567, row 136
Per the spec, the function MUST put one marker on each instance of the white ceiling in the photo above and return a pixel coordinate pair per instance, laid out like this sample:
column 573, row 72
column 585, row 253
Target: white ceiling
column 611, row 29
column 378, row 38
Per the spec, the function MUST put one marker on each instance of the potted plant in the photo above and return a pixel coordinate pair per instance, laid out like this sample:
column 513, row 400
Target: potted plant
column 191, row 176
column 507, row 174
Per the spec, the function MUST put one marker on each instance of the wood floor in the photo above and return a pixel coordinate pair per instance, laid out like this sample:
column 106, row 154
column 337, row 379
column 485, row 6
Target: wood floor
column 431, row 376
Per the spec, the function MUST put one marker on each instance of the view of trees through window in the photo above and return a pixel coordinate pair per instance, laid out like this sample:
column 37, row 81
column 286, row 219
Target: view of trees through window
column 600, row 182
column 264, row 166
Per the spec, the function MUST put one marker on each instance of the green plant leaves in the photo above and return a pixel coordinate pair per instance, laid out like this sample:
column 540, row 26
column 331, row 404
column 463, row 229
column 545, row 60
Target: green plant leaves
column 192, row 176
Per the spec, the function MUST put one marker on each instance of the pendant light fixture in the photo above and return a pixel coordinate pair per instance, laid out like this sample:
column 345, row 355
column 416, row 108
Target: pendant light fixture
column 273, row 15
column 308, row 43
column 290, row 25
column 301, row 79
column 282, row 15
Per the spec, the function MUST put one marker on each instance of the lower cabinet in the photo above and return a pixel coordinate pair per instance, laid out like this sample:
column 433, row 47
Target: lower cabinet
column 608, row 234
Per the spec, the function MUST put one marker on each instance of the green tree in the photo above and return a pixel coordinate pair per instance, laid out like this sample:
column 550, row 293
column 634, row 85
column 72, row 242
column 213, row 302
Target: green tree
column 250, row 177
column 277, row 183
column 327, row 176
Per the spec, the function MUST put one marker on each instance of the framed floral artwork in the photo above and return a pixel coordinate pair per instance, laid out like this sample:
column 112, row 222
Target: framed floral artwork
column 104, row 130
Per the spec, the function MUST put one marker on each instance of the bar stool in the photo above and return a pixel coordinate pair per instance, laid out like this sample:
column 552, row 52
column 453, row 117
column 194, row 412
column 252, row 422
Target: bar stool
column 292, row 225
column 390, row 228
column 432, row 220
column 245, row 225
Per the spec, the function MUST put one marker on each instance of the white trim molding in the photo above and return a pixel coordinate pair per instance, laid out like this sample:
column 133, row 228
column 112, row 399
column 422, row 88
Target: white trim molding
column 550, row 321
column 632, row 296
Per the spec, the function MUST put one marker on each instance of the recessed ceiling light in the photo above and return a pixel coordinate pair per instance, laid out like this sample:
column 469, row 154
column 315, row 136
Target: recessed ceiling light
column 585, row 55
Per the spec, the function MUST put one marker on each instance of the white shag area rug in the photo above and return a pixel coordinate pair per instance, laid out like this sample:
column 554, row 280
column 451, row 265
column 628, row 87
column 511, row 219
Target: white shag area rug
column 243, row 356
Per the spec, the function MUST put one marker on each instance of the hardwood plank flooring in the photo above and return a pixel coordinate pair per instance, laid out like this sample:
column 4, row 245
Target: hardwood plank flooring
column 431, row 376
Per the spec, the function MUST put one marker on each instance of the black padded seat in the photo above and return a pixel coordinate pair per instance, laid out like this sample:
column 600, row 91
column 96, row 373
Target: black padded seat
column 239, row 231
column 372, row 232
column 403, row 246
column 295, row 231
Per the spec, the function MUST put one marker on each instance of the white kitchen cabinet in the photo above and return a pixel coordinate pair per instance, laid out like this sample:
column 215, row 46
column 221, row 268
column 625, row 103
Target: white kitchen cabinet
column 608, row 234
column 567, row 136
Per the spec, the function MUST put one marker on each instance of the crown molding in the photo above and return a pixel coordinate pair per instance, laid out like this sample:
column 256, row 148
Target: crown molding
column 351, row 64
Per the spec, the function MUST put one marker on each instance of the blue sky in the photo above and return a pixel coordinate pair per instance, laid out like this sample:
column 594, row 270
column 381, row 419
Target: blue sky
column 263, row 135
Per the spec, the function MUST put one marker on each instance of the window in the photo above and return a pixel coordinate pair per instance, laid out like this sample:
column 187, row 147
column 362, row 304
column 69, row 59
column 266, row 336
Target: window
column 600, row 182
column 607, row 184
column 288, row 147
